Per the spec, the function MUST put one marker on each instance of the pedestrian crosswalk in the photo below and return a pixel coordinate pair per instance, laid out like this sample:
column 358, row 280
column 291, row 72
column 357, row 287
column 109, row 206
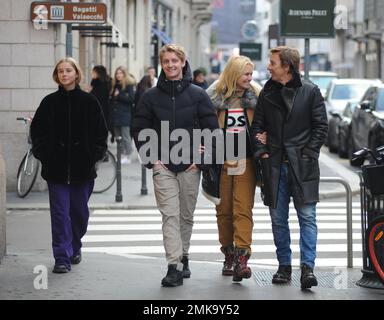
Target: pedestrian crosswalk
column 137, row 233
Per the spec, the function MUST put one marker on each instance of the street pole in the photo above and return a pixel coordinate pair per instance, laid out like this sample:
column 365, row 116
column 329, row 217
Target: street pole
column 68, row 39
column 119, row 195
column 307, row 63
column 144, row 190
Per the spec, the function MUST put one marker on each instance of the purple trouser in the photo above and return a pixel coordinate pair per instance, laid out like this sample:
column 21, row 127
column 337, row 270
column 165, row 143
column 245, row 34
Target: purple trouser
column 69, row 218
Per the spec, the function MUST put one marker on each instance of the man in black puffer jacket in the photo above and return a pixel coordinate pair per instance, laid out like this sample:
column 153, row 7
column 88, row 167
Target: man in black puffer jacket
column 174, row 104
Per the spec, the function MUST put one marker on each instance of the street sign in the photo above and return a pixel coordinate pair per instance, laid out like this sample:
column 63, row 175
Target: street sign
column 250, row 50
column 307, row 19
column 68, row 12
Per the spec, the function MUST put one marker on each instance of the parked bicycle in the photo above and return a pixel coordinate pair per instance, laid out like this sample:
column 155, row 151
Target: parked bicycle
column 372, row 204
column 29, row 166
column 106, row 173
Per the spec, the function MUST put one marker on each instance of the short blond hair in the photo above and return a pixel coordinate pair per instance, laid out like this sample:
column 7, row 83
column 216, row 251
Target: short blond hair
column 75, row 66
column 176, row 49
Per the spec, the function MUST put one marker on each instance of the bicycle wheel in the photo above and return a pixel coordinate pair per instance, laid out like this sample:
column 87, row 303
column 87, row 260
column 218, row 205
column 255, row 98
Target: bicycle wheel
column 375, row 246
column 27, row 174
column 106, row 173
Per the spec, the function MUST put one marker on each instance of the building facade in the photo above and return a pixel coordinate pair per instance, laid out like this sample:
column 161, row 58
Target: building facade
column 131, row 37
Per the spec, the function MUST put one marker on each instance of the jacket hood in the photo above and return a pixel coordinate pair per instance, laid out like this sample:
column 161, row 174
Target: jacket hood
column 169, row 85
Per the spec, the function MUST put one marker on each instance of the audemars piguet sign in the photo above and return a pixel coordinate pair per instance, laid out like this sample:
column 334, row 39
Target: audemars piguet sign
column 68, row 12
column 307, row 19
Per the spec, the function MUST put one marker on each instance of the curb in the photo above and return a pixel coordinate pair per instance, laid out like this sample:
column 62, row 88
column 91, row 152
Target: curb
column 123, row 206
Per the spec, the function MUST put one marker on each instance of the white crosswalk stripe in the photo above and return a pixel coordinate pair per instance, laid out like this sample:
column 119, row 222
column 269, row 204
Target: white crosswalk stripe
column 138, row 233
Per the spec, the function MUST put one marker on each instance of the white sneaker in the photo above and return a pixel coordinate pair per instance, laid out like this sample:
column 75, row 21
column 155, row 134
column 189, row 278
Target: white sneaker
column 125, row 160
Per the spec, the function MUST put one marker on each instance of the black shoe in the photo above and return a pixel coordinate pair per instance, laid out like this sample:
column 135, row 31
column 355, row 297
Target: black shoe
column 186, row 271
column 307, row 278
column 76, row 259
column 283, row 275
column 173, row 278
column 60, row 268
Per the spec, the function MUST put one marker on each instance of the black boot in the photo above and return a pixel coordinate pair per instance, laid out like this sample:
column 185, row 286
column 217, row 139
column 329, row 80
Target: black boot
column 241, row 270
column 229, row 253
column 60, row 268
column 307, row 278
column 76, row 258
column 282, row 275
column 186, row 270
column 173, row 278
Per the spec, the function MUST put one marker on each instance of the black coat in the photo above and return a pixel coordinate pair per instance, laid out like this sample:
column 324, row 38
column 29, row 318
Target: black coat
column 122, row 106
column 69, row 135
column 182, row 105
column 295, row 119
column 101, row 90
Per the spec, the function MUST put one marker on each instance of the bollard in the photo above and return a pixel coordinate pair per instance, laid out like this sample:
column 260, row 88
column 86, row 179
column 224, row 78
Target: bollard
column 119, row 196
column 144, row 190
column 2, row 207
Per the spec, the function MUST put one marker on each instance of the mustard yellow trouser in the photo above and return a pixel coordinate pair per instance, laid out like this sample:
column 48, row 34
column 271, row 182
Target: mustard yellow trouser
column 234, row 213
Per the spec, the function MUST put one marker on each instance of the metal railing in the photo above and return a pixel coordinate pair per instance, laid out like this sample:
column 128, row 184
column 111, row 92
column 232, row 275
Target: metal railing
column 349, row 215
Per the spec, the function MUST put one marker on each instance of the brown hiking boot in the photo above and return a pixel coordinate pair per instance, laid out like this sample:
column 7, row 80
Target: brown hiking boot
column 229, row 259
column 241, row 270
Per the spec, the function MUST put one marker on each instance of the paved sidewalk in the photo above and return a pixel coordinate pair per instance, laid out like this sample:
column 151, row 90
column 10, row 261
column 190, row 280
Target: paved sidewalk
column 138, row 277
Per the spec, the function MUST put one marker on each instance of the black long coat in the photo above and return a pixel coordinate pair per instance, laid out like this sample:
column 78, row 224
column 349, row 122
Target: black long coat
column 101, row 90
column 295, row 119
column 69, row 136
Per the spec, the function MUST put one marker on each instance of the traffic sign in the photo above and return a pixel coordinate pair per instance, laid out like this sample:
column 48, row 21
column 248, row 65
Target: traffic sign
column 68, row 12
column 250, row 30
column 250, row 50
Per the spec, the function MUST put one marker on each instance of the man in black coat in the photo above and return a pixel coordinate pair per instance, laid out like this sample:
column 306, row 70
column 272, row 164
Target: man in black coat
column 174, row 107
column 293, row 113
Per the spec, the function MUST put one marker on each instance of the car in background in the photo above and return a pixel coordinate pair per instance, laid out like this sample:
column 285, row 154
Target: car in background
column 344, row 128
column 367, row 124
column 339, row 93
column 321, row 79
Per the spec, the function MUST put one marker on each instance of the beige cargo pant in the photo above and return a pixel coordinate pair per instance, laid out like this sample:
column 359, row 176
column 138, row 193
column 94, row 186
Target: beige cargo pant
column 176, row 196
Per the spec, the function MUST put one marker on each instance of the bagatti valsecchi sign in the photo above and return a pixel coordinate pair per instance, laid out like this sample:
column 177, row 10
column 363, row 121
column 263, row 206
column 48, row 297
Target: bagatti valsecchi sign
column 68, row 12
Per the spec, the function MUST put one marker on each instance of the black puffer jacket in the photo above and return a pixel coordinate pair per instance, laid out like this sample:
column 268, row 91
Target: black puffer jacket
column 180, row 104
column 69, row 136
column 295, row 119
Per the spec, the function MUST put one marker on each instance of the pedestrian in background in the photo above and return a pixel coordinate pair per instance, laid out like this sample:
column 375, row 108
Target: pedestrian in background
column 144, row 84
column 151, row 71
column 293, row 112
column 234, row 96
column 183, row 106
column 199, row 79
column 69, row 136
column 101, row 88
column 122, row 100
